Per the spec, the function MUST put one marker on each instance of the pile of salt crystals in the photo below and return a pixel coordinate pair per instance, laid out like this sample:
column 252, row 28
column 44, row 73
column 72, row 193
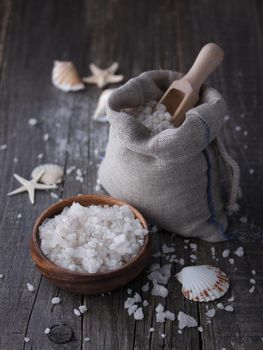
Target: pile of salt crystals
column 92, row 239
column 154, row 117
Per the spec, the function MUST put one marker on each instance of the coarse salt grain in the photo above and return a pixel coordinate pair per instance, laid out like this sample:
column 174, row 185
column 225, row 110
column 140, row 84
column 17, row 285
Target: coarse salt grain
column 152, row 330
column 83, row 309
column 229, row 308
column 159, row 290
column 77, row 312
column 252, row 280
column 129, row 290
column 243, row 219
column 145, row 303
column 1, row 276
column 251, row 290
column 200, row 329
column 30, row 287
column 146, row 287
column 239, row 252
column 55, row 300
column 3, row 147
column 32, row 122
column 26, row 339
column 211, row 313
column 181, row 261
column 128, row 302
column 220, row 306
column 167, row 250
column 193, row 246
column 186, row 320
column 87, row 339
column 231, row 261
column 253, row 272
column 138, row 314
column 225, row 253
column 92, row 239
column 132, row 309
column 46, row 137
column 47, row 331
column 163, row 335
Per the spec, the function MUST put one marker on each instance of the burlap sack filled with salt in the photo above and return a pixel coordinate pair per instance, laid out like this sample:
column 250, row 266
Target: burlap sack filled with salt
column 172, row 177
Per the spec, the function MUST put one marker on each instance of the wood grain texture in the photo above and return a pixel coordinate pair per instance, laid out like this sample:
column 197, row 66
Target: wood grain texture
column 140, row 35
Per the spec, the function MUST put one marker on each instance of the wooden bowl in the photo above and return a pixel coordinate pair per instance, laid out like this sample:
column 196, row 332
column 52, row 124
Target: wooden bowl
column 86, row 283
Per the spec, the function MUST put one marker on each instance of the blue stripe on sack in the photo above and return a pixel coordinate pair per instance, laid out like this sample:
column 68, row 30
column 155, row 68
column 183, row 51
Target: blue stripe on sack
column 212, row 220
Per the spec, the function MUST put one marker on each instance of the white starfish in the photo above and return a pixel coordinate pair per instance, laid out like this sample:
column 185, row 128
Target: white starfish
column 103, row 77
column 30, row 186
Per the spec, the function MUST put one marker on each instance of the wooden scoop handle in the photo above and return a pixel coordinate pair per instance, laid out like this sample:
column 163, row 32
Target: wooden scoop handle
column 206, row 62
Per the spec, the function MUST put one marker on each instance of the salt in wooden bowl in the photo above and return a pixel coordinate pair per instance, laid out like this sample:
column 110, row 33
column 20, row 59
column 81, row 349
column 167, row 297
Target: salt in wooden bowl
column 81, row 282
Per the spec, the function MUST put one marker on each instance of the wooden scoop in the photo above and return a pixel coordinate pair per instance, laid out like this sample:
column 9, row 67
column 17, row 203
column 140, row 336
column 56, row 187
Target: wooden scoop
column 183, row 94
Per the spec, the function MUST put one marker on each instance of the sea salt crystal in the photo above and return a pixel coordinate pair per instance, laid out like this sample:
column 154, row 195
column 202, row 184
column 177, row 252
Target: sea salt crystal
column 55, row 300
column 30, row 287
column 180, row 331
column 138, row 314
column 167, row 250
column 186, row 320
column 26, row 339
column 231, row 261
column 181, row 261
column 211, row 313
column 129, row 290
column 154, row 229
column 253, row 272
column 54, row 195
column 129, row 302
column 220, row 306
column 83, row 308
column 231, row 299
column 229, row 308
column 145, row 303
column 3, row 147
column 239, row 252
column 226, row 118
column 132, row 309
column 252, row 280
column 47, row 330
column 46, row 137
column 163, row 335
column 19, row 216
column 92, row 239
column 193, row 246
column 153, row 116
column 238, row 128
column 32, row 122
column 251, row 171
column 87, row 339
column 1, row 276
column 137, row 298
column 152, row 330
column 226, row 253
column 169, row 315
column 251, row 290
column 160, row 317
column 77, row 312
column 154, row 266
column 159, row 308
column 146, row 287
column 70, row 170
column 159, row 290
column 213, row 252
column 200, row 329
column 193, row 257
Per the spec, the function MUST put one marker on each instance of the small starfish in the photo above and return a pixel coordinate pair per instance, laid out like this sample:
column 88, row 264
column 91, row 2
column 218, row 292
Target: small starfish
column 103, row 77
column 30, row 186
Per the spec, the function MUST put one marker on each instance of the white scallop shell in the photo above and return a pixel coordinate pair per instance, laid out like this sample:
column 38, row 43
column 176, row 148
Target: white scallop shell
column 66, row 77
column 203, row 283
column 52, row 173
column 100, row 112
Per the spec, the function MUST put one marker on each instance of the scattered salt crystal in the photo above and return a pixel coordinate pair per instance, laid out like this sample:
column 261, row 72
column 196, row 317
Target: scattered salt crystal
column 226, row 118
column 137, row 298
column 231, row 299
column 159, row 308
column 251, row 290
column 70, row 170
column 186, row 320
column 159, row 290
column 245, row 133
column 226, row 253
column 213, row 251
column 77, row 312
column 181, row 261
column 185, row 247
column 243, row 219
column 47, row 331
column 253, row 272
column 238, row 128
column 54, row 195
column 138, row 314
column 146, row 287
column 211, row 313
column 30, row 287
column 193, row 257
column 169, row 315
column 92, row 239
column 160, row 317
column 154, row 229
column 193, row 246
column 1, row 276
column 26, row 339
column 163, row 335
column 231, row 261
column 251, row 171
column 3, row 147
column 154, row 267
column 87, row 339
column 167, row 250
column 145, row 303
column 129, row 290
column 132, row 309
column 152, row 330
column 32, row 122
column 252, row 280
column 46, row 137
column 179, row 331
column 55, row 300
column 15, row 160
column 40, row 156
column 158, row 277
column 186, row 240
column 129, row 302
column 220, row 306
column 19, row 216
column 229, row 308
column 239, row 252
column 83, row 308
column 166, row 270
column 200, row 329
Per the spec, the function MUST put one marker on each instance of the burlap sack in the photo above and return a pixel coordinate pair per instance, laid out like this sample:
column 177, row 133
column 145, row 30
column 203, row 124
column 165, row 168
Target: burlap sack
column 173, row 177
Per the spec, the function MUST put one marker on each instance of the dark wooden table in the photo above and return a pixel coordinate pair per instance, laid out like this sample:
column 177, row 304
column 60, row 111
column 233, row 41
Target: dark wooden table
column 140, row 35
